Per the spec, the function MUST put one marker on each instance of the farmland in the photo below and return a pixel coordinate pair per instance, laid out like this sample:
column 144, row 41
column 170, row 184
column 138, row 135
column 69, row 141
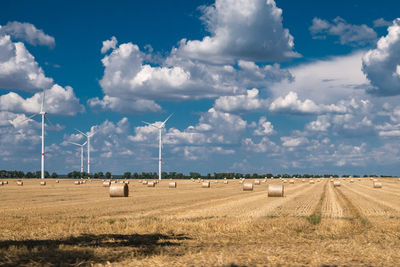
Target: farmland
column 313, row 224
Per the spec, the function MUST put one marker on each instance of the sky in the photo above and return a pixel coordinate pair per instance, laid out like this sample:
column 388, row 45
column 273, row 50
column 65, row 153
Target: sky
column 253, row 85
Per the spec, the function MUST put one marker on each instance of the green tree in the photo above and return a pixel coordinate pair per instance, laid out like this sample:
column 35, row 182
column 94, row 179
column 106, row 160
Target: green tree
column 54, row 175
column 127, row 175
column 108, row 175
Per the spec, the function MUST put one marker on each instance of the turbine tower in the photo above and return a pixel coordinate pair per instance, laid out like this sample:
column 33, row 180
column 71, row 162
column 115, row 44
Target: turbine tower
column 44, row 117
column 88, row 136
column 159, row 127
column 81, row 146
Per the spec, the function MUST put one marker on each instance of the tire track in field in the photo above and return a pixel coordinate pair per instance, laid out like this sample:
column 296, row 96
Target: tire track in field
column 377, row 207
column 331, row 207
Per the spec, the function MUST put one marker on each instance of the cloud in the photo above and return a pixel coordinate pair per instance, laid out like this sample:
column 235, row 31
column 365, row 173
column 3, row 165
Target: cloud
column 265, row 145
column 109, row 44
column 354, row 35
column 381, row 22
column 241, row 103
column 120, row 105
column 18, row 68
column 382, row 64
column 249, row 30
column 28, row 33
column 58, row 100
column 290, row 141
column 264, row 127
column 291, row 104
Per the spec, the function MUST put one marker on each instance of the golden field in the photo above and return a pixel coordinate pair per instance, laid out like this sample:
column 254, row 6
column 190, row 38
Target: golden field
column 314, row 224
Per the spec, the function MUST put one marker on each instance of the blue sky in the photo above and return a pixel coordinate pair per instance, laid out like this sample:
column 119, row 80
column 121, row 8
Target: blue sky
column 255, row 86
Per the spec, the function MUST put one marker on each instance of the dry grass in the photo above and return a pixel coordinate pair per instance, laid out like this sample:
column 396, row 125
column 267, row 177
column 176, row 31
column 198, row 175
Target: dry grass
column 314, row 224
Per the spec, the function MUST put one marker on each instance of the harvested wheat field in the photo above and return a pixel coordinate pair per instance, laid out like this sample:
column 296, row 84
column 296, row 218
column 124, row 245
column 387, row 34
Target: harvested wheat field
column 313, row 224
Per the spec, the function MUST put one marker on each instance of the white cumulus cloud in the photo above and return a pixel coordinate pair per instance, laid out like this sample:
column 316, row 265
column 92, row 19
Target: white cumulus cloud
column 28, row 33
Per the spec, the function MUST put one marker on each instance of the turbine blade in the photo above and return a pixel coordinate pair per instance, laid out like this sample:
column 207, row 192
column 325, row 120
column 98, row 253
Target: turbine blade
column 42, row 105
column 74, row 143
column 30, row 117
column 151, row 124
column 45, row 117
column 84, row 143
column 163, row 124
column 81, row 132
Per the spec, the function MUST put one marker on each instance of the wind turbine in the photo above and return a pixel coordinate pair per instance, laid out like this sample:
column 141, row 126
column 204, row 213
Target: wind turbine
column 44, row 117
column 88, row 136
column 81, row 153
column 159, row 127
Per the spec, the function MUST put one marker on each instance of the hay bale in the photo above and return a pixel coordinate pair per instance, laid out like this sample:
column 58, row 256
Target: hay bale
column 312, row 182
column 121, row 182
column 351, row 180
column 247, row 187
column 359, row 179
column 318, row 180
column 291, row 181
column 144, row 182
column 256, row 182
column 127, row 182
column 205, row 184
column 20, row 183
column 275, row 190
column 284, row 181
column 119, row 190
column 172, row 185
column 151, row 184
column 336, row 183
column 43, row 183
column 57, row 181
column 375, row 180
column 77, row 182
column 1, row 183
column 399, row 179
column 106, row 184
column 303, row 180
column 226, row 182
column 5, row 182
column 377, row 185
column 264, row 181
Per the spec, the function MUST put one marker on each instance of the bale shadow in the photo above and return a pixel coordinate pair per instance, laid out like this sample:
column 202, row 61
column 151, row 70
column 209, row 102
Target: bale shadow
column 81, row 250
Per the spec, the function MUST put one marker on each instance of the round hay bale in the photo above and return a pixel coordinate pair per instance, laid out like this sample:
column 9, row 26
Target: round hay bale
column 1, row 182
column 127, row 182
column 5, row 182
column 172, row 185
column 247, row 187
column 205, row 185
column 291, row 181
column 332, row 180
column 121, row 182
column 119, row 190
column 114, row 182
column 77, row 182
column 351, row 180
column 318, row 180
column 241, row 181
column 284, row 181
column 377, row 185
column 151, row 184
column 312, row 182
column 336, row 183
column 144, row 182
column 359, row 179
column 303, row 180
column 375, row 180
column 20, row 183
column 57, row 181
column 106, row 184
column 226, row 182
column 264, row 181
column 399, row 179
column 275, row 190
column 257, row 182
column 43, row 183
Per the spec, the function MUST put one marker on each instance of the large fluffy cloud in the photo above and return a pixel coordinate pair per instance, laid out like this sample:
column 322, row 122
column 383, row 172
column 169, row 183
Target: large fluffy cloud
column 27, row 32
column 382, row 64
column 348, row 33
column 241, row 103
column 18, row 68
column 244, row 29
column 58, row 100
column 124, row 105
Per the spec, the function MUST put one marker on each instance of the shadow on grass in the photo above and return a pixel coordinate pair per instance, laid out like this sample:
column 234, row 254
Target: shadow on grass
column 81, row 250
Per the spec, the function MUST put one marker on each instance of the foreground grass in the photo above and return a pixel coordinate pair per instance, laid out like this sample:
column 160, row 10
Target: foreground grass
column 220, row 226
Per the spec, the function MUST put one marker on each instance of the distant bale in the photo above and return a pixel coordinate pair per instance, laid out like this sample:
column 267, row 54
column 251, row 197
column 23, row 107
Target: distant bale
column 205, row 184
column 106, row 184
column 377, row 185
column 216, row 181
column 359, row 179
column 318, row 180
column 20, row 183
column 121, row 182
column 284, row 181
column 226, row 182
column 264, row 181
column 399, row 179
column 303, row 180
column 275, row 190
column 127, row 182
column 332, row 180
column 351, row 180
column 77, row 182
column 257, row 182
column 57, row 181
column 172, row 185
column 5, row 182
column 1, row 183
column 247, row 187
column 144, row 182
column 151, row 184
column 114, row 182
column 83, row 182
column 119, row 190
column 291, row 181
column 241, row 181
column 43, row 183
column 312, row 182
column 375, row 180
column 336, row 183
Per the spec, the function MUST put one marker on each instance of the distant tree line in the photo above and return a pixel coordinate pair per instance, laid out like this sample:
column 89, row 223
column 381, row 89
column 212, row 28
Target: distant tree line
column 172, row 175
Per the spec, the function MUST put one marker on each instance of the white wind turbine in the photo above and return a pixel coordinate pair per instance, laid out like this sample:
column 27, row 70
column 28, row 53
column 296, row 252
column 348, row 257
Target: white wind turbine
column 159, row 127
column 81, row 146
column 88, row 136
column 44, row 117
